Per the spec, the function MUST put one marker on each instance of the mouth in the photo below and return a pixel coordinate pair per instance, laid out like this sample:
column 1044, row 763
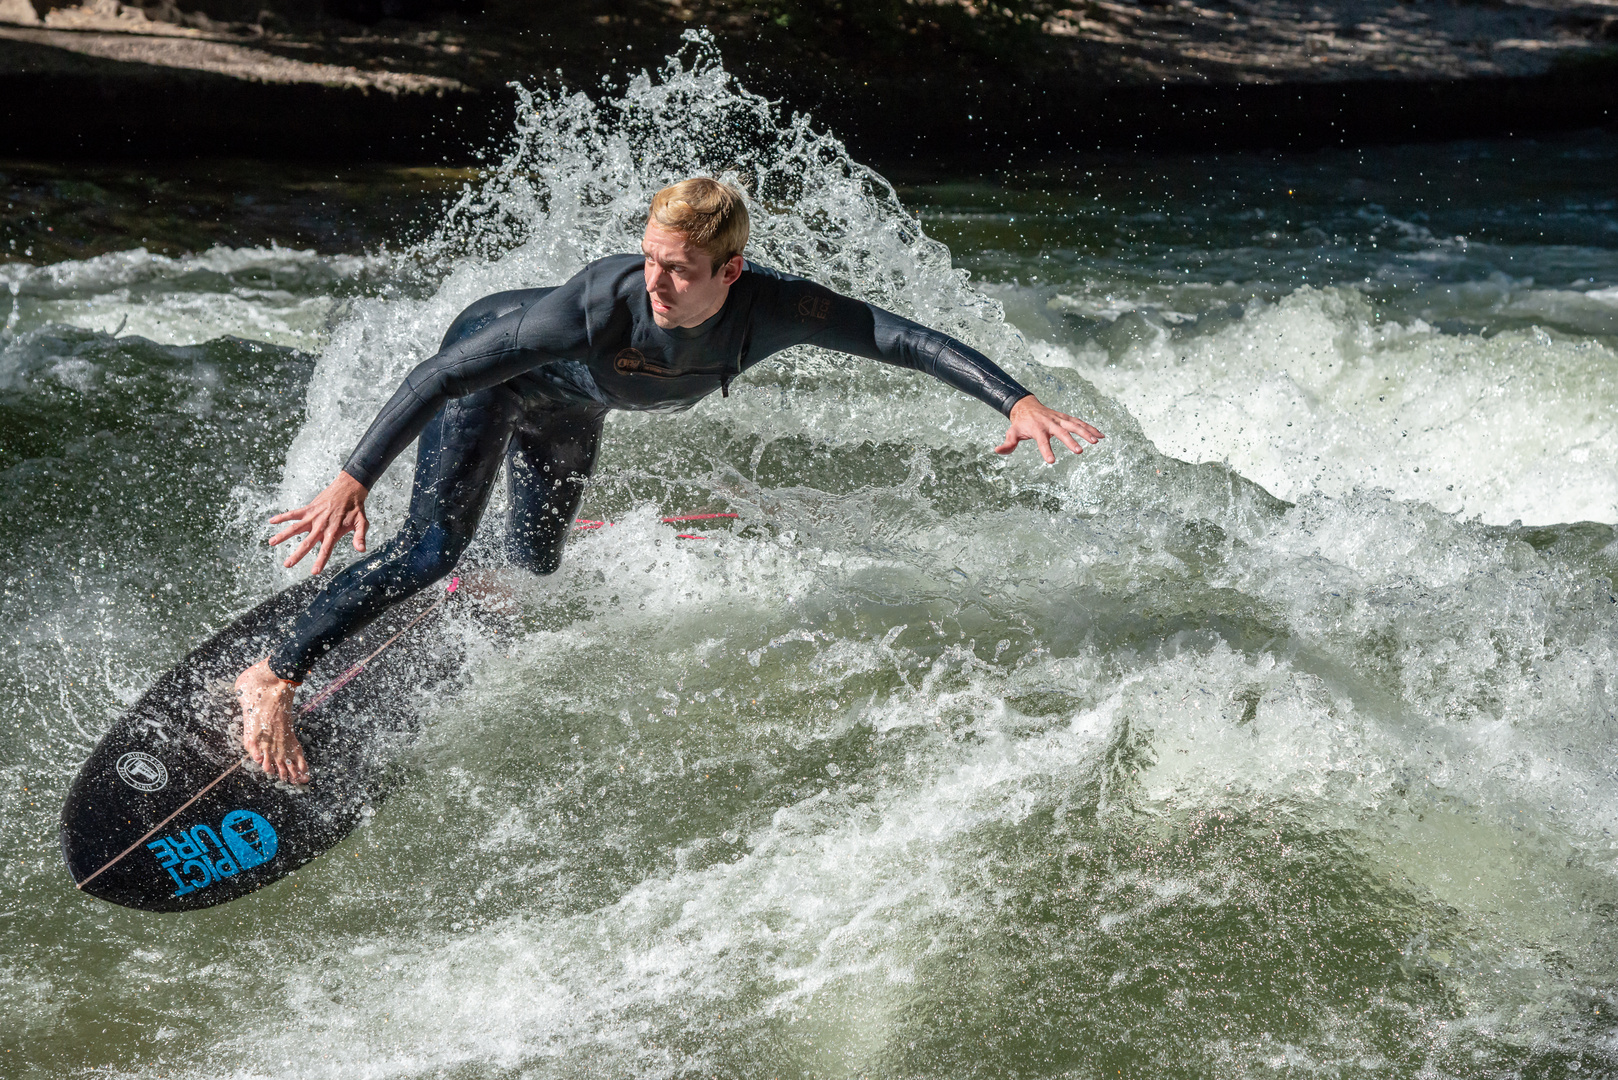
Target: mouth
column 658, row 305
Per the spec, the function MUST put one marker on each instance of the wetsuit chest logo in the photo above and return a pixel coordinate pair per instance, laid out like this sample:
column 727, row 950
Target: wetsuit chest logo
column 629, row 361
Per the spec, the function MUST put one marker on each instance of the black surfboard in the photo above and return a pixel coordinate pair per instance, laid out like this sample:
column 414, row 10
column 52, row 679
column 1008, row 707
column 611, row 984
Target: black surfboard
column 169, row 815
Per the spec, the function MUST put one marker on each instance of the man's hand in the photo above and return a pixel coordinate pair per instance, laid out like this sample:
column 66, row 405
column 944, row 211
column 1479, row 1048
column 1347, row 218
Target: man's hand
column 334, row 513
column 1031, row 420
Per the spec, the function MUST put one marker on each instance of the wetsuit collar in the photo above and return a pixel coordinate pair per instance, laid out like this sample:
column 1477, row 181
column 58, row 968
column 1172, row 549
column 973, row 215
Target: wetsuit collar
column 689, row 332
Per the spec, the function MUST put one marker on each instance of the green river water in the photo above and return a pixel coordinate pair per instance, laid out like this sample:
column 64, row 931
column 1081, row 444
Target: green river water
column 1272, row 737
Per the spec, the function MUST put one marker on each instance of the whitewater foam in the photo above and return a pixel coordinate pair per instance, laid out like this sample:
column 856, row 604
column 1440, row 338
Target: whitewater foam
column 1316, row 393
column 930, row 762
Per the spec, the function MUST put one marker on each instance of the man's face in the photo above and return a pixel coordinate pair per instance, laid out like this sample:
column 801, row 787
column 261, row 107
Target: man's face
column 680, row 279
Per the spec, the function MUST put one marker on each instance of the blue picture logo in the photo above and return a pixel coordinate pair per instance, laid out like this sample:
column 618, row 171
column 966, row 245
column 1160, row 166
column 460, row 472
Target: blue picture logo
column 200, row 857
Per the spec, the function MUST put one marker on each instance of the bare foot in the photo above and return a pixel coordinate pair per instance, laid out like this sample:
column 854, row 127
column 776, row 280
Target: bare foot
column 267, row 724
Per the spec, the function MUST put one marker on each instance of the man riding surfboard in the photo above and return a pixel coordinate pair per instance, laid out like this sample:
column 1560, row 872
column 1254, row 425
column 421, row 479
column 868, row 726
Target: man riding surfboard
column 527, row 378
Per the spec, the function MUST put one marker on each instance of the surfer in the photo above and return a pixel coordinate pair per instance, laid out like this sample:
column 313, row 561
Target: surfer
column 527, row 377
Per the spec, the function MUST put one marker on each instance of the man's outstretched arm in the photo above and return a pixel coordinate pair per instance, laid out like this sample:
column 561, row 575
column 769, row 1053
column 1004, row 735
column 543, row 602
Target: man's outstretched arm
column 466, row 364
column 486, row 359
column 862, row 329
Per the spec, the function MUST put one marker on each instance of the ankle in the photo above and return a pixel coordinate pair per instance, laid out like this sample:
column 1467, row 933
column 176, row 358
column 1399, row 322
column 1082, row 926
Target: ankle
column 264, row 677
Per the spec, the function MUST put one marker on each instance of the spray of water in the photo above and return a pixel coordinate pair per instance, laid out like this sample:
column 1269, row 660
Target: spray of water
column 574, row 186
column 936, row 764
column 1318, row 392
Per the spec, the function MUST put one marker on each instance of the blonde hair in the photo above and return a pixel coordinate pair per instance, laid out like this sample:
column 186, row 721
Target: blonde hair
column 710, row 215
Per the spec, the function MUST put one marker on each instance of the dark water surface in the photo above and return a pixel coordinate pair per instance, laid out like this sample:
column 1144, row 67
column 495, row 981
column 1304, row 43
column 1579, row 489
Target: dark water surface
column 1261, row 740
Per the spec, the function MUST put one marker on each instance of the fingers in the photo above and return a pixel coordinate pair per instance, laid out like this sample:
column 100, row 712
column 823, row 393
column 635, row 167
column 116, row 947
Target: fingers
column 319, row 528
column 287, row 533
column 1043, row 428
column 303, row 520
column 303, row 549
column 1089, row 432
column 322, row 533
column 1068, row 427
column 326, row 538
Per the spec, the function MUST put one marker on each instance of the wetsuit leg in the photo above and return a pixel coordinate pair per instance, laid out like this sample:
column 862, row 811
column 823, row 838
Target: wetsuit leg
column 456, row 462
column 551, row 456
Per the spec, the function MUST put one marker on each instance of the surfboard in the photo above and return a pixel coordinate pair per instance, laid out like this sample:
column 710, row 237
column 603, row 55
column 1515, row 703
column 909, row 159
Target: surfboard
column 169, row 815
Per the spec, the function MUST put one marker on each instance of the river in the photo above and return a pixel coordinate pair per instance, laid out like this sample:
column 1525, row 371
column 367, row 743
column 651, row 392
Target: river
column 1274, row 736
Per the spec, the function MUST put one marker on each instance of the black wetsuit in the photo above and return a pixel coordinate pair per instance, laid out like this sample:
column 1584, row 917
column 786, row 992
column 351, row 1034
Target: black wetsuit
column 529, row 376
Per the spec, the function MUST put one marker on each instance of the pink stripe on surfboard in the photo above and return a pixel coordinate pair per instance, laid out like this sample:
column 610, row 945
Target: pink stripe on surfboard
column 347, row 676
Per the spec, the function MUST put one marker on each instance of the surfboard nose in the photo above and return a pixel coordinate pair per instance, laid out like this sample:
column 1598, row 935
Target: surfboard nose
column 164, row 816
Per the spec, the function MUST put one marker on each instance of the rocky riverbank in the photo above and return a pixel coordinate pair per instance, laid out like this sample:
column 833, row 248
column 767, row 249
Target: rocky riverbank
column 425, row 80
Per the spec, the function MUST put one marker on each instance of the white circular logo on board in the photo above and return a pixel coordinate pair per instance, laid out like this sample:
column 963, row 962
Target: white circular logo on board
column 142, row 771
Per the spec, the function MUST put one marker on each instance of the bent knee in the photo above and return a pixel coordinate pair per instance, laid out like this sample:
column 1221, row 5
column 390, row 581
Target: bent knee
column 435, row 554
column 542, row 563
column 541, row 559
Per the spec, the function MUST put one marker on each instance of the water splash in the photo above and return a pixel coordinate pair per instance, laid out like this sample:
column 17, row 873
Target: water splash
column 937, row 764
column 575, row 185
column 1319, row 392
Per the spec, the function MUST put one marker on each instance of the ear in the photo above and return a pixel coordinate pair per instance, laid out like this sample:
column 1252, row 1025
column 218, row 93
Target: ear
column 732, row 270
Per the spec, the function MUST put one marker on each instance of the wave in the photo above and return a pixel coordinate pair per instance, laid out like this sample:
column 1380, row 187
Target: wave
column 1319, row 393
column 935, row 763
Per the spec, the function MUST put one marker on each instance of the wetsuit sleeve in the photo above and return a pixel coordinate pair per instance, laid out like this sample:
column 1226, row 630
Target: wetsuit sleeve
column 555, row 325
column 833, row 321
